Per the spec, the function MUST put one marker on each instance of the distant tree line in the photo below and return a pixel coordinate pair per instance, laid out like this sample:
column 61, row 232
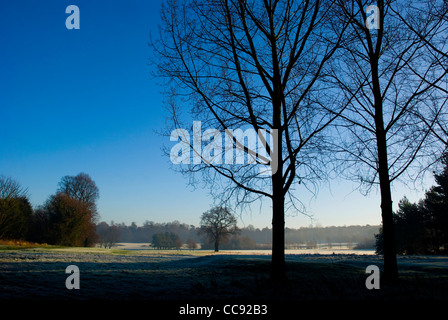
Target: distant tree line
column 248, row 237
column 66, row 218
column 69, row 217
column 422, row 228
column 144, row 234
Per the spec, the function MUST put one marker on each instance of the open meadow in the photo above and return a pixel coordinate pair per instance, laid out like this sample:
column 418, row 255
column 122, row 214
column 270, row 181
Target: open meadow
column 133, row 273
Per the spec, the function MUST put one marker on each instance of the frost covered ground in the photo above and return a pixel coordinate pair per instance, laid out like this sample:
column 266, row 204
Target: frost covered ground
column 135, row 274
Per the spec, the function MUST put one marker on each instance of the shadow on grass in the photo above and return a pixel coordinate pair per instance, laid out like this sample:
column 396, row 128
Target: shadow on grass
column 212, row 278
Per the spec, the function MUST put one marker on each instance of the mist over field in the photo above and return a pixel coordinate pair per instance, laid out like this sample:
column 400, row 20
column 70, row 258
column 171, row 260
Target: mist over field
column 250, row 237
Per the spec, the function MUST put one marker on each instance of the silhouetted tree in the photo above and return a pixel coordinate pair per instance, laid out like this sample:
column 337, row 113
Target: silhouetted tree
column 255, row 65
column 412, row 230
column 436, row 205
column 217, row 224
column 390, row 74
column 422, row 228
column 410, row 226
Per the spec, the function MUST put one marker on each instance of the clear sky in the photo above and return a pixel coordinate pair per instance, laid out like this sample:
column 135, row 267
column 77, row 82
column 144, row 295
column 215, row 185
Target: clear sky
column 83, row 100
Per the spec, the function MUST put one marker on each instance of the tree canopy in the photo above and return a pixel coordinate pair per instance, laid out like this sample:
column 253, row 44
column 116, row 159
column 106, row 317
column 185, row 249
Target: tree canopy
column 217, row 224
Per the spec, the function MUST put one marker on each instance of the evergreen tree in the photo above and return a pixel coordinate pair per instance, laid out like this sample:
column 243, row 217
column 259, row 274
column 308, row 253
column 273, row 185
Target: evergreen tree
column 436, row 204
column 422, row 228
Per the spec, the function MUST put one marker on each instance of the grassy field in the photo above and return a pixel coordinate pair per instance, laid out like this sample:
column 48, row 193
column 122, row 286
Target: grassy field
column 37, row 273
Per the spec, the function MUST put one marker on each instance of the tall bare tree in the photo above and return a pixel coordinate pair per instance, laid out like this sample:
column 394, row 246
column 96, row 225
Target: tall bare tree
column 259, row 66
column 395, row 77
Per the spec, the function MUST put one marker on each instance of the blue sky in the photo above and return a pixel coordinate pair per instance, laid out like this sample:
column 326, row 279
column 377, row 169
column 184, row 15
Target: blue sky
column 83, row 100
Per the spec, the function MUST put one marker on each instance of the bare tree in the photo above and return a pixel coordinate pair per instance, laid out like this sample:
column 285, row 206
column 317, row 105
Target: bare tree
column 394, row 74
column 217, row 224
column 258, row 66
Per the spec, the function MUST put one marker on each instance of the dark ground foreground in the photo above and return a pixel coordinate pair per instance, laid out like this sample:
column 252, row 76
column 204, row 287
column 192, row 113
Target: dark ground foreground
column 174, row 280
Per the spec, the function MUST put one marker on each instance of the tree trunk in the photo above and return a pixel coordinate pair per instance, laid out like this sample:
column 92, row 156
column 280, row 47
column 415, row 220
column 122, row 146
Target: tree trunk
column 390, row 258
column 278, row 270
column 216, row 245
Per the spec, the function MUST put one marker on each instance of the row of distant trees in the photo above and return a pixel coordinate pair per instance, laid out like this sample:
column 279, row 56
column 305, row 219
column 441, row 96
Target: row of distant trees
column 66, row 218
column 303, row 235
column 422, row 228
column 150, row 232
column 69, row 218
column 248, row 237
